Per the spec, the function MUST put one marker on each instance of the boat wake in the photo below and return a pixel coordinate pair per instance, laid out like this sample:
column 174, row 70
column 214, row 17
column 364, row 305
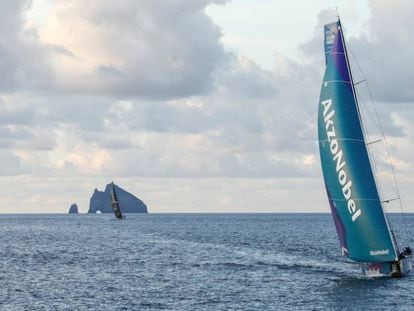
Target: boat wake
column 301, row 264
column 247, row 258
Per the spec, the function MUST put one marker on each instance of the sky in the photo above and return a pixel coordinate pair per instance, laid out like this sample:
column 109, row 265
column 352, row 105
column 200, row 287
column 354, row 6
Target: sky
column 193, row 106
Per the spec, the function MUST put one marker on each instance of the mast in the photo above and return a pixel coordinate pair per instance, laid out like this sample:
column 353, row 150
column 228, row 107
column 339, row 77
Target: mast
column 394, row 241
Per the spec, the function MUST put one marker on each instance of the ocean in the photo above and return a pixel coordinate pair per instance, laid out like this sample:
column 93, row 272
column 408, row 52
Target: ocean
column 187, row 262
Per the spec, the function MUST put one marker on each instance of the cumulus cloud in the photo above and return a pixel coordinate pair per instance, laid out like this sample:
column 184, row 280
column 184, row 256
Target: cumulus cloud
column 23, row 60
column 381, row 49
column 250, row 123
column 150, row 49
column 384, row 52
column 11, row 164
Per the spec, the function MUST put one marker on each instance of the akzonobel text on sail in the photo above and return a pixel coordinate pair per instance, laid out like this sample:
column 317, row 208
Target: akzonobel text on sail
column 337, row 154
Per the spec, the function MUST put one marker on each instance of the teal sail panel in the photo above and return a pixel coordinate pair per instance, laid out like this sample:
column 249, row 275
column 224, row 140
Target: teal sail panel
column 352, row 193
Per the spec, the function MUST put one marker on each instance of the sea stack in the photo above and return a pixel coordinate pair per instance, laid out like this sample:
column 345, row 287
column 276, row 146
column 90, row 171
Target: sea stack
column 101, row 201
column 73, row 209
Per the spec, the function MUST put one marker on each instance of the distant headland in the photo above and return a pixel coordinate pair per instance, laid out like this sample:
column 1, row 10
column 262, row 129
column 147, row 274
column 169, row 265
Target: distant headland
column 101, row 201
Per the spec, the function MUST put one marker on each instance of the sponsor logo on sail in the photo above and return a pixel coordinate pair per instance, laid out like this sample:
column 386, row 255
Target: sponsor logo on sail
column 337, row 155
column 330, row 33
column 379, row 252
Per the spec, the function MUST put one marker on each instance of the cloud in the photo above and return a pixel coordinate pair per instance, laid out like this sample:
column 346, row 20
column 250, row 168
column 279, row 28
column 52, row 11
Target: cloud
column 223, row 117
column 11, row 164
column 380, row 49
column 384, row 53
column 374, row 57
column 23, row 60
column 148, row 49
column 233, row 131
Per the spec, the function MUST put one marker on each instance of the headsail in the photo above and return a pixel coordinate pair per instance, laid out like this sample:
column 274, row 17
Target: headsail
column 353, row 196
column 115, row 204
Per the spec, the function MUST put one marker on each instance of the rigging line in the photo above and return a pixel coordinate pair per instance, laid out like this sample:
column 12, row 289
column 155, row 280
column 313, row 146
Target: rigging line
column 363, row 127
column 375, row 121
column 365, row 105
column 386, row 145
column 364, row 132
column 389, row 200
column 390, row 183
column 367, row 132
column 371, row 154
column 388, row 156
column 383, row 177
column 375, row 141
column 359, row 82
column 379, row 126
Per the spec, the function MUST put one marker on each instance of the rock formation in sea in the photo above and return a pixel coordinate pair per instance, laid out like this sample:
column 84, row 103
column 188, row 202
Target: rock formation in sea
column 73, row 209
column 101, row 201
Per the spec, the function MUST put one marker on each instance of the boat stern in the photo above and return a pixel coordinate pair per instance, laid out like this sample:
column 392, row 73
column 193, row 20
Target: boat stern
column 399, row 268
column 377, row 269
column 406, row 264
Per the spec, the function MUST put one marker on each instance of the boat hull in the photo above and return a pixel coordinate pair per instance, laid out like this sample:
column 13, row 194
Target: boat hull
column 399, row 268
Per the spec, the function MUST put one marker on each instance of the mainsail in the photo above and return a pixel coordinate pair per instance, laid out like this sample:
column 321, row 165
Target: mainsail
column 115, row 204
column 350, row 184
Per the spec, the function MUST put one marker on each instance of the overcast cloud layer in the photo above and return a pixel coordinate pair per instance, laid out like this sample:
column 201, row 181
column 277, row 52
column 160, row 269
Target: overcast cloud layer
column 144, row 93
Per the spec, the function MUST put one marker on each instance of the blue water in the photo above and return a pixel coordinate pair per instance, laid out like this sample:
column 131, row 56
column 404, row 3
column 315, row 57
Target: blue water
column 186, row 262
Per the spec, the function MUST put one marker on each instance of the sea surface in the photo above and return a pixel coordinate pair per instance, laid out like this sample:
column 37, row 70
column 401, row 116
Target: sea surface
column 187, row 262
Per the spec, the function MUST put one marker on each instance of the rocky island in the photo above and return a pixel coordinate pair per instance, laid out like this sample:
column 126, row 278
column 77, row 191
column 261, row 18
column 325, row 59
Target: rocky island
column 73, row 209
column 101, row 201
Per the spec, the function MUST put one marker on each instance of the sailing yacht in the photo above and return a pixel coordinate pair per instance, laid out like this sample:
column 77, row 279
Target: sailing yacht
column 115, row 204
column 357, row 209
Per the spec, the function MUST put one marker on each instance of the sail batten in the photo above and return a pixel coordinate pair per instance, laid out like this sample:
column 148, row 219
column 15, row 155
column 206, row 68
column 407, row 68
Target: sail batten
column 350, row 184
column 342, row 139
